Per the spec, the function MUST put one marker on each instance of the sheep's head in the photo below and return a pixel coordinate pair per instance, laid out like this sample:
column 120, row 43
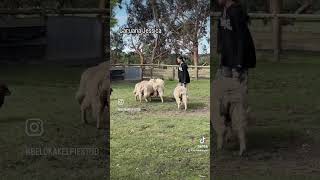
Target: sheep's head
column 4, row 90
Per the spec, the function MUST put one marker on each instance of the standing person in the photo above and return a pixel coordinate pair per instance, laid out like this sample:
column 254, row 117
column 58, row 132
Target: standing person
column 183, row 73
column 230, row 88
column 235, row 42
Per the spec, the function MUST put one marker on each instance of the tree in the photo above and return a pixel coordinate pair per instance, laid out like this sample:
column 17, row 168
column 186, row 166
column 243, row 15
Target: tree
column 188, row 21
column 114, row 4
column 146, row 15
column 182, row 23
column 117, row 46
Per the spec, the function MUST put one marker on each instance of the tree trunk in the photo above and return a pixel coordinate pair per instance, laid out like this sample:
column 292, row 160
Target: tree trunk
column 141, row 58
column 196, row 57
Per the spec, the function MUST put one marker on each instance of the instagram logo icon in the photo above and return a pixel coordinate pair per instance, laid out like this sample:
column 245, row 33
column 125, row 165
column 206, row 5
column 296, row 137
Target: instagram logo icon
column 34, row 127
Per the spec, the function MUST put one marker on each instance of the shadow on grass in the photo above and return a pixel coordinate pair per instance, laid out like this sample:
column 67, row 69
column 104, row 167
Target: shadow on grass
column 270, row 139
column 165, row 99
column 266, row 142
column 196, row 105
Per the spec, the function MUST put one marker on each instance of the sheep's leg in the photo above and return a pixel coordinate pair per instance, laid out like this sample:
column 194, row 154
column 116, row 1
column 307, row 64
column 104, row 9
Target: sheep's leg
column 98, row 112
column 239, row 124
column 84, row 107
column 178, row 102
column 228, row 135
column 161, row 96
column 99, row 118
column 220, row 130
column 218, row 122
column 242, row 140
column 184, row 98
column 140, row 97
column 146, row 97
column 84, row 115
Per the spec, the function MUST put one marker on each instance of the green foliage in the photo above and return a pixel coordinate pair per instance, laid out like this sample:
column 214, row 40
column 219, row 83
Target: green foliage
column 114, row 4
column 182, row 23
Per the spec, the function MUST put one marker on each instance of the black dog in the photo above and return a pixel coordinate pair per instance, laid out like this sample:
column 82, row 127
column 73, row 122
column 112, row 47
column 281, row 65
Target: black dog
column 4, row 91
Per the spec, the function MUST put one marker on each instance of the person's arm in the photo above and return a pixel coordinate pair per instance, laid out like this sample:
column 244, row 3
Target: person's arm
column 239, row 24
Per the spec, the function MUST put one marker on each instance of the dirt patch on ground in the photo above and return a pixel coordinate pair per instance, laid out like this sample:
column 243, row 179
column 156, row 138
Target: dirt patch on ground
column 286, row 154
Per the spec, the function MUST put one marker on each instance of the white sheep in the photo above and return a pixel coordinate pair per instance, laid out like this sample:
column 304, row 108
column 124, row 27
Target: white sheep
column 158, row 87
column 143, row 89
column 94, row 92
column 180, row 95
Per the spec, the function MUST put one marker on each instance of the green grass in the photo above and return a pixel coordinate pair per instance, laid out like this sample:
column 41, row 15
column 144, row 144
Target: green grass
column 156, row 142
column 153, row 143
column 47, row 93
column 283, row 141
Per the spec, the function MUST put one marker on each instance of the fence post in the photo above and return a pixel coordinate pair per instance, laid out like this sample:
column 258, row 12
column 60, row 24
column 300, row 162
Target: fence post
column 276, row 34
column 173, row 73
column 141, row 75
column 151, row 72
column 197, row 71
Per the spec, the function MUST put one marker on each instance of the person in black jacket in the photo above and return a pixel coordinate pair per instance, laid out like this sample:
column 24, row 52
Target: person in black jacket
column 235, row 42
column 230, row 89
column 183, row 73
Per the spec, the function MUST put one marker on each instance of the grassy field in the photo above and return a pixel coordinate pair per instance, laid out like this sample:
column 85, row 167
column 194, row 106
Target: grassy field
column 160, row 142
column 284, row 139
column 46, row 93
column 153, row 143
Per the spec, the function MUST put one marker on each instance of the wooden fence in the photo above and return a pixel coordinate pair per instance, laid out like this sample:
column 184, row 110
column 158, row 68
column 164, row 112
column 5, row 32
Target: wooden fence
column 275, row 16
column 47, row 11
column 102, row 11
column 169, row 72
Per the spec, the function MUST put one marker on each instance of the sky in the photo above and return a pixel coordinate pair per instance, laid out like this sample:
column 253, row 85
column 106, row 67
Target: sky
column 121, row 15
